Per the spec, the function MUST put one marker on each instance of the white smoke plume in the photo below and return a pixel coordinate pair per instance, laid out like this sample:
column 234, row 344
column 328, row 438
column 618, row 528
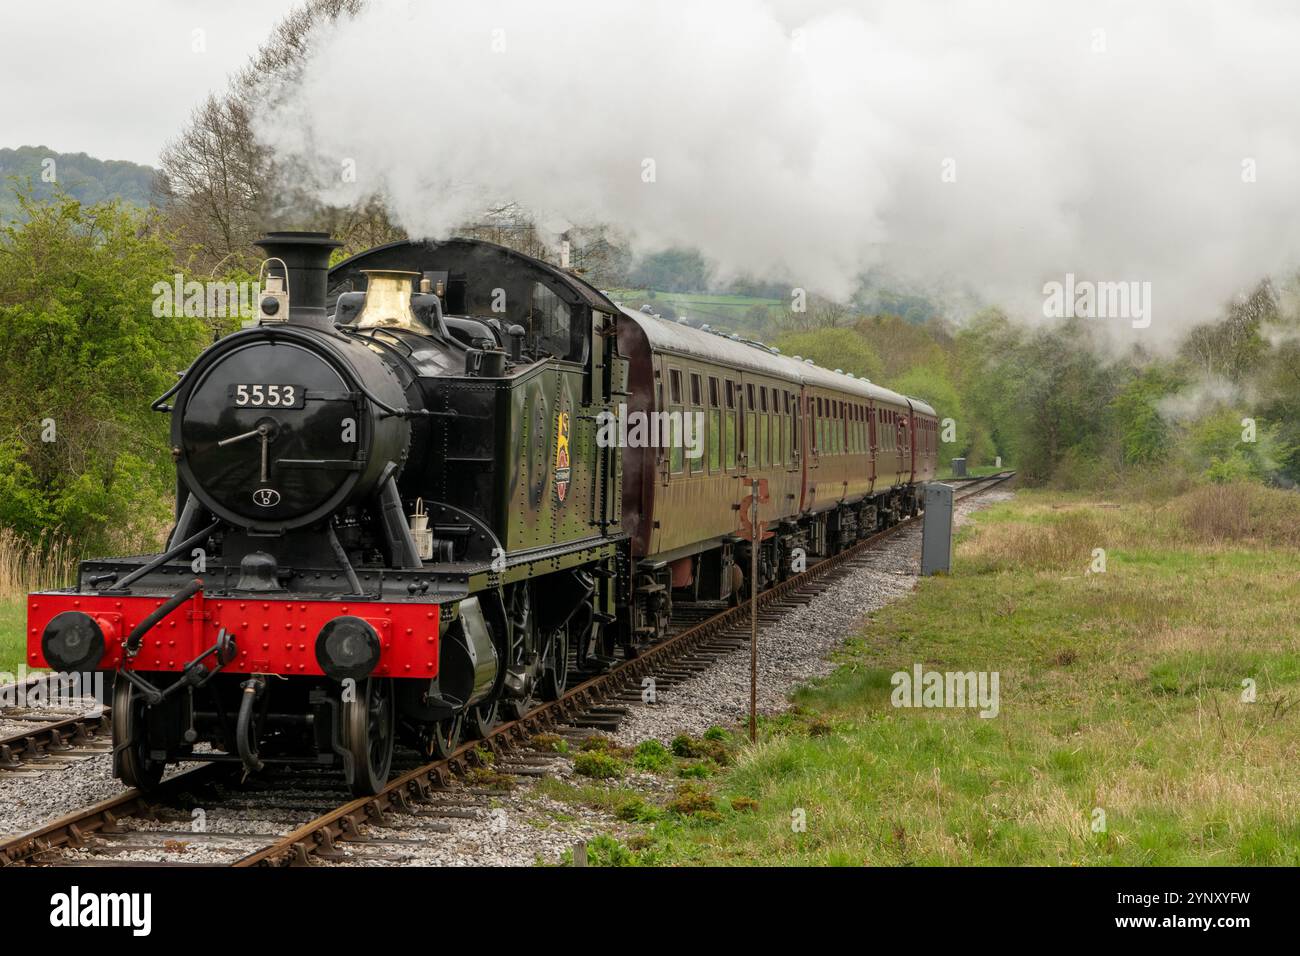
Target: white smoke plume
column 977, row 148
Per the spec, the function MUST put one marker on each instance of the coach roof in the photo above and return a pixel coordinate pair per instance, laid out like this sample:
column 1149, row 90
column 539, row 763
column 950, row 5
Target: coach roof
column 685, row 340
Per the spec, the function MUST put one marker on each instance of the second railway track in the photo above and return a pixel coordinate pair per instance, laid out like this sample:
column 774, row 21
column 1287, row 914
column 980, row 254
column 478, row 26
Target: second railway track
column 290, row 818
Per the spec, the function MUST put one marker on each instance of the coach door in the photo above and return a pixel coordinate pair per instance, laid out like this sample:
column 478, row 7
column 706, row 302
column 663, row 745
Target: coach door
column 873, row 450
column 790, row 433
column 900, row 442
column 908, row 423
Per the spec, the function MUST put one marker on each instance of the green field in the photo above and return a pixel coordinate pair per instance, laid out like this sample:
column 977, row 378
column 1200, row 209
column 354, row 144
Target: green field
column 1125, row 732
column 735, row 312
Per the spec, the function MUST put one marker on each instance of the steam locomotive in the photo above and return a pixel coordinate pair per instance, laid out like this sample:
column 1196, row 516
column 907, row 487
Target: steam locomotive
column 419, row 491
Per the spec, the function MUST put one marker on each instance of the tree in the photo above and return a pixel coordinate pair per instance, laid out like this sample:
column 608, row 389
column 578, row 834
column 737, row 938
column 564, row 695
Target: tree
column 1143, row 433
column 833, row 348
column 1233, row 347
column 216, row 182
column 82, row 357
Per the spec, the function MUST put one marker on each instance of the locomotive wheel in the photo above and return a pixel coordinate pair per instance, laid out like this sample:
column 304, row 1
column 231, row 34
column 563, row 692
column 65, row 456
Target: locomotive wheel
column 555, row 677
column 132, row 763
column 480, row 719
column 441, row 739
column 369, row 729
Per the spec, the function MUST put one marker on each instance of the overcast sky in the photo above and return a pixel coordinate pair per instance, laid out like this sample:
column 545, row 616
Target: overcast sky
column 117, row 80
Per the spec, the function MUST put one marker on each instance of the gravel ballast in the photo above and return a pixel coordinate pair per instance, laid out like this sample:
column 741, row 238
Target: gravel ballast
column 793, row 650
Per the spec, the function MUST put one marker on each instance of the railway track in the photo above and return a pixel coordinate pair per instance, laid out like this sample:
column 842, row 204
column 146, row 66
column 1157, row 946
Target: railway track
column 46, row 726
column 421, row 795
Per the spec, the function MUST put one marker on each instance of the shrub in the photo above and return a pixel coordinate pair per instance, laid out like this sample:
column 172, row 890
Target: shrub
column 651, row 756
column 604, row 850
column 684, row 745
column 553, row 743
column 636, row 810
column 598, row 764
column 692, row 800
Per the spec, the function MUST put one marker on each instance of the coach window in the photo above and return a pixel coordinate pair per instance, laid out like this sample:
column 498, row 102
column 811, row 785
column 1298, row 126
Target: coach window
column 698, row 425
column 751, row 445
column 730, row 434
column 776, row 423
column 672, row 433
column 794, row 427
column 788, row 426
column 761, row 418
column 715, row 427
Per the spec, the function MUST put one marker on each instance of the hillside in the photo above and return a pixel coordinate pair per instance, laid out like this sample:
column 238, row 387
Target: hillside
column 83, row 177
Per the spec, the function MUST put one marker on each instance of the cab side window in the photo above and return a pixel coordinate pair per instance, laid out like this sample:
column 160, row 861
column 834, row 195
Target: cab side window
column 549, row 327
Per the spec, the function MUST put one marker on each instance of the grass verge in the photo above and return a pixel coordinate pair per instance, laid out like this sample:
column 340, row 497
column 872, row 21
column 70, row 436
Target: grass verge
column 1146, row 716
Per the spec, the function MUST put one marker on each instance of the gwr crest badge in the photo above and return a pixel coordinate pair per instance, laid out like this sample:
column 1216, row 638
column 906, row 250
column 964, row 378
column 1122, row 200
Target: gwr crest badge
column 562, row 467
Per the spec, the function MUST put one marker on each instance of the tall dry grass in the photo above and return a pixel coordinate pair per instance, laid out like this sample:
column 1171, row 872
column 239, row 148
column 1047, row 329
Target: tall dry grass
column 26, row 567
column 1065, row 541
column 1240, row 512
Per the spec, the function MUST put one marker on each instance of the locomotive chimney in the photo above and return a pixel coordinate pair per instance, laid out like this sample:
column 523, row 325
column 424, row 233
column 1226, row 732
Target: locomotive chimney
column 306, row 257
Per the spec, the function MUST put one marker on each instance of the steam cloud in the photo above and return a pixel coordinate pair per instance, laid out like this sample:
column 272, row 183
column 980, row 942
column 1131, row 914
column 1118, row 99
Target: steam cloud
column 809, row 141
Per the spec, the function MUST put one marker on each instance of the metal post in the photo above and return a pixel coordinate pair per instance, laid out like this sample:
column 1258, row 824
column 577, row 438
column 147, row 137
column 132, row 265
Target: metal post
column 753, row 610
column 936, row 532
